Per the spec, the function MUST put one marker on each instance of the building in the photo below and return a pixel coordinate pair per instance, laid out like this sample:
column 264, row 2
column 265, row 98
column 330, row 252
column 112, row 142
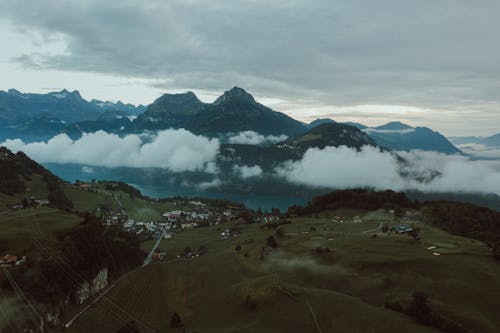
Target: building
column 8, row 261
column 401, row 229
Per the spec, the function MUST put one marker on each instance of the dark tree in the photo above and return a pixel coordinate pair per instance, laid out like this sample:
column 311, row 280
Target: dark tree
column 175, row 321
column 415, row 232
column 238, row 248
column 496, row 250
column 420, row 309
column 130, row 327
column 271, row 241
column 280, row 232
column 250, row 303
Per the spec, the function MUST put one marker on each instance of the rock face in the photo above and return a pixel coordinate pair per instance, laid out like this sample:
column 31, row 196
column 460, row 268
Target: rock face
column 90, row 288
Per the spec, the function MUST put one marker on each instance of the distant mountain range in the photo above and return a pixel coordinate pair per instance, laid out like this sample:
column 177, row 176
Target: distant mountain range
column 34, row 117
column 489, row 141
column 41, row 116
column 398, row 136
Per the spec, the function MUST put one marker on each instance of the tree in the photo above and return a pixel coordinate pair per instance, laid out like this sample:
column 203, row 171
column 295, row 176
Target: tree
column 238, row 248
column 175, row 321
column 280, row 232
column 130, row 327
column 496, row 250
column 414, row 232
column 250, row 303
column 420, row 309
column 271, row 241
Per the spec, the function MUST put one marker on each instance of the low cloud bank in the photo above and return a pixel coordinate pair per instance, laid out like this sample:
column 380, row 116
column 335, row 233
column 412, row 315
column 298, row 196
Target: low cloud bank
column 480, row 151
column 254, row 138
column 332, row 168
column 175, row 150
column 343, row 167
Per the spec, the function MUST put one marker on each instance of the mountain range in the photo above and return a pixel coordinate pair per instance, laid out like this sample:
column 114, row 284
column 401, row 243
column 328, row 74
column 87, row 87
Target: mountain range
column 489, row 141
column 398, row 136
column 35, row 117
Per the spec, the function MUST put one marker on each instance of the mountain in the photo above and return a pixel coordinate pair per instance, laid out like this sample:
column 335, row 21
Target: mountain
column 109, row 121
column 328, row 134
column 235, row 111
column 128, row 109
column 319, row 121
column 333, row 135
column 394, row 126
column 16, row 107
column 490, row 141
column 41, row 128
column 357, row 125
column 399, row 136
column 169, row 111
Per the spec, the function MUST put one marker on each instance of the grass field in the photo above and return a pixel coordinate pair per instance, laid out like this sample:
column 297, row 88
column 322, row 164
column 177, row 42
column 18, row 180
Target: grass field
column 297, row 289
column 20, row 230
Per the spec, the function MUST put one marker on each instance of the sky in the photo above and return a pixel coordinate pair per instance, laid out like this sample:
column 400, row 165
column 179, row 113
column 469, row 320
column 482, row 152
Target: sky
column 427, row 63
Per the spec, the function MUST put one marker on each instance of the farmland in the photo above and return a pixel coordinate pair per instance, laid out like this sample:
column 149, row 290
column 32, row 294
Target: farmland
column 299, row 288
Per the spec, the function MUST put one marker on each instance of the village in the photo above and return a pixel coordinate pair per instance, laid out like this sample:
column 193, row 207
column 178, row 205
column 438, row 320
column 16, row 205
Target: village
column 190, row 214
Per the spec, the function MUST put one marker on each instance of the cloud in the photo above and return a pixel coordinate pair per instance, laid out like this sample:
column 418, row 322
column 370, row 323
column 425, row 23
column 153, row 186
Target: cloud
column 343, row 167
column 214, row 183
column 87, row 169
column 245, row 171
column 175, row 150
column 385, row 52
column 254, row 138
column 480, row 151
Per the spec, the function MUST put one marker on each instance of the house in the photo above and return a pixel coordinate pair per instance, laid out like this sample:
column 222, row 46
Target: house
column 8, row 261
column 338, row 219
column 189, row 225
column 401, row 229
column 357, row 219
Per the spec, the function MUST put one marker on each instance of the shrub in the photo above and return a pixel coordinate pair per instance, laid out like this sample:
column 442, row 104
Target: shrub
column 175, row 321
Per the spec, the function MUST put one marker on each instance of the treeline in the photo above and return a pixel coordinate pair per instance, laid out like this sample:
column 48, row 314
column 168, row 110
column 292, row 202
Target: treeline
column 76, row 256
column 421, row 309
column 357, row 198
column 124, row 187
column 465, row 220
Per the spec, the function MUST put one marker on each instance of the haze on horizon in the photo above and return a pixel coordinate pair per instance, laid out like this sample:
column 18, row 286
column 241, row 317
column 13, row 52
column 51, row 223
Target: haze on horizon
column 430, row 63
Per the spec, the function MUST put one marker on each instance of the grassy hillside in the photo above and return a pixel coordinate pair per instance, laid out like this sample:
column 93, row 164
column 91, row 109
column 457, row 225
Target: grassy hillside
column 301, row 286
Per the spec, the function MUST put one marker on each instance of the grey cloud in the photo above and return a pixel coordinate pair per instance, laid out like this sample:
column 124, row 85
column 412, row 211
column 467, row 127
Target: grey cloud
column 423, row 53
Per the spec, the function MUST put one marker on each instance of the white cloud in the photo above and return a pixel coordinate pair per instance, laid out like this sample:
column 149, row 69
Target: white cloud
column 246, row 171
column 343, row 167
column 175, row 150
column 254, row 138
column 480, row 151
column 87, row 169
column 214, row 183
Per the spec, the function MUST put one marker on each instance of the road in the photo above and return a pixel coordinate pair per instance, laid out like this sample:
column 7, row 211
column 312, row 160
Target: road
column 150, row 255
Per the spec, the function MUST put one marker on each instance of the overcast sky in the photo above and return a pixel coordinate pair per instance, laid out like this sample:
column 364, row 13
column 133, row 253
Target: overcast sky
column 429, row 62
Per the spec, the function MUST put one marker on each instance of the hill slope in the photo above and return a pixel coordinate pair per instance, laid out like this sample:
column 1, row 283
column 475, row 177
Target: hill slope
column 399, row 136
